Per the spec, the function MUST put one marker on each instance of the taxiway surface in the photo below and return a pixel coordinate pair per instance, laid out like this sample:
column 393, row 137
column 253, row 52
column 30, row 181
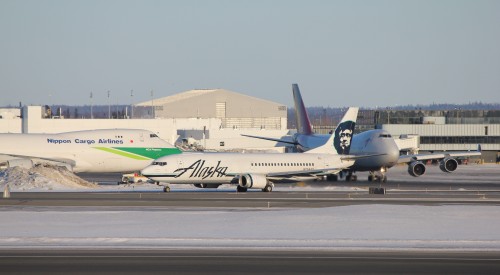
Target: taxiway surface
column 243, row 262
column 138, row 230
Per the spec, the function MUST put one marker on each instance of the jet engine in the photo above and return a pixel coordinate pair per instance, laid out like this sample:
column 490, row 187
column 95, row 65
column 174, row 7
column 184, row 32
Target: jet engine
column 252, row 181
column 416, row 168
column 448, row 165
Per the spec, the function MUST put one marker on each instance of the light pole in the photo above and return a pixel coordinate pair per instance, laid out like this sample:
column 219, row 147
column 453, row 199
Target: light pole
column 152, row 105
column 131, row 103
column 109, row 105
column 91, row 113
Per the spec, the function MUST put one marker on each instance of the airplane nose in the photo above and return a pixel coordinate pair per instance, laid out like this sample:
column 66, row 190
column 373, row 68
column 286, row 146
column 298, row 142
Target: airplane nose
column 394, row 154
column 146, row 170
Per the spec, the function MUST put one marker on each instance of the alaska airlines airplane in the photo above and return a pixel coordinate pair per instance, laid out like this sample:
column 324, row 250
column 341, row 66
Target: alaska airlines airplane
column 378, row 143
column 109, row 150
column 259, row 170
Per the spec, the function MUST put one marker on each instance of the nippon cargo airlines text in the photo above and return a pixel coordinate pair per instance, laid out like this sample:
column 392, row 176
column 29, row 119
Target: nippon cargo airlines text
column 85, row 141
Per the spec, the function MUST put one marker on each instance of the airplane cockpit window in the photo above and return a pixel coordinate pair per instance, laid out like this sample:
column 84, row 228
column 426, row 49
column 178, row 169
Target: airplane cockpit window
column 385, row 136
column 160, row 163
column 152, row 135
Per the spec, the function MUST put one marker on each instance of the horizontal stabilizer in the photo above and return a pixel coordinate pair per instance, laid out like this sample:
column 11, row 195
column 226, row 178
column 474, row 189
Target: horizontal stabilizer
column 272, row 139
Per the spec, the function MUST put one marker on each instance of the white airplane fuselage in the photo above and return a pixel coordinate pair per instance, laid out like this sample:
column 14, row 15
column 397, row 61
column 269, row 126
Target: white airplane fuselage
column 221, row 168
column 113, row 150
column 373, row 142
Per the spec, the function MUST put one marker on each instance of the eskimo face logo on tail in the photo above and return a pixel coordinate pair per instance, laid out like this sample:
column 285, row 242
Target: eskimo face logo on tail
column 343, row 136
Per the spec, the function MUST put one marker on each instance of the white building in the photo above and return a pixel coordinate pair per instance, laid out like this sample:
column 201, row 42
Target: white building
column 233, row 109
column 205, row 119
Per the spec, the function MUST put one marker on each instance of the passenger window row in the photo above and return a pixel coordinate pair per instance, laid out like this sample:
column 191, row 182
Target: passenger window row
column 283, row 164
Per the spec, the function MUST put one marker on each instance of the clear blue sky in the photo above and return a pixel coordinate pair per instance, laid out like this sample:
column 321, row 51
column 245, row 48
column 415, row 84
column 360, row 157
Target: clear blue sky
column 341, row 53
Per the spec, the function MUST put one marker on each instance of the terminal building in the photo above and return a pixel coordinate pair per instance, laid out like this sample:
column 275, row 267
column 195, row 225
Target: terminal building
column 423, row 131
column 215, row 119
column 452, row 130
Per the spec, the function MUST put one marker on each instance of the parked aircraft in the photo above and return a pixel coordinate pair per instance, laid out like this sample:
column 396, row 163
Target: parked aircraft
column 110, row 150
column 259, row 170
column 378, row 143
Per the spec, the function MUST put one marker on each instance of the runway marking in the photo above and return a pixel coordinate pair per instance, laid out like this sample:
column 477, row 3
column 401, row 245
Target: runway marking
column 256, row 257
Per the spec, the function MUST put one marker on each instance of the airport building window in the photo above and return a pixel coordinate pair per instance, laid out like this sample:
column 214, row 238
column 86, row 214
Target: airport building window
column 459, row 140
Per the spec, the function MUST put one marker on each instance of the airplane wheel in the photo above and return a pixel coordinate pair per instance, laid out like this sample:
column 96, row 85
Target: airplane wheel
column 370, row 177
column 384, row 178
column 348, row 178
column 166, row 189
column 332, row 178
column 268, row 188
column 354, row 178
column 241, row 189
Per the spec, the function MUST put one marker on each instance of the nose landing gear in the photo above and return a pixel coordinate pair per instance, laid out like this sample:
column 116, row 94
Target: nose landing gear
column 378, row 176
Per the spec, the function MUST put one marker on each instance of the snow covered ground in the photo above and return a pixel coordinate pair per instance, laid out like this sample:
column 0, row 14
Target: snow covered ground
column 357, row 227
column 377, row 227
column 42, row 178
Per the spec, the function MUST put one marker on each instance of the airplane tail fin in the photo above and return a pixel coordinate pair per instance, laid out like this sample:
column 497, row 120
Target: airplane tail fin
column 303, row 123
column 340, row 140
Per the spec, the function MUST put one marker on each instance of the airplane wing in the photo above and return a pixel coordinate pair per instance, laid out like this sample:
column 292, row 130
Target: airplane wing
column 355, row 157
column 441, row 155
column 273, row 139
column 56, row 161
column 302, row 173
column 292, row 175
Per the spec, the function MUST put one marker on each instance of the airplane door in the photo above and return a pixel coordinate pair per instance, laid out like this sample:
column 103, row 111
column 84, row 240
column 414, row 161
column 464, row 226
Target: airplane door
column 326, row 163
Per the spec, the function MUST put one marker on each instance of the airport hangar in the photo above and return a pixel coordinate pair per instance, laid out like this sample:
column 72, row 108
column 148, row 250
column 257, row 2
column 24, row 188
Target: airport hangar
column 214, row 119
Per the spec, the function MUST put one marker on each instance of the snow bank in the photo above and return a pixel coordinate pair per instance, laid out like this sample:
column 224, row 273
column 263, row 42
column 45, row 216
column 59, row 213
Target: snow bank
column 42, row 178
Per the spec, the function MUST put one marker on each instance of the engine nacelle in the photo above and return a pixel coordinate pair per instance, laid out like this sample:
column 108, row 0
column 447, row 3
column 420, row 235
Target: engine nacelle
column 448, row 165
column 416, row 168
column 23, row 163
column 252, row 181
column 206, row 185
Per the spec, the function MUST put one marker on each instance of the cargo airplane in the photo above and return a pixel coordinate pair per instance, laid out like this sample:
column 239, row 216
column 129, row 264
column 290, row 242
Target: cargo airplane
column 378, row 143
column 259, row 170
column 109, row 150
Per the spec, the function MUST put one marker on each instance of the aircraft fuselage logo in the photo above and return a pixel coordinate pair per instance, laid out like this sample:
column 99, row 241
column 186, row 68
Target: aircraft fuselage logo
column 85, row 141
column 199, row 170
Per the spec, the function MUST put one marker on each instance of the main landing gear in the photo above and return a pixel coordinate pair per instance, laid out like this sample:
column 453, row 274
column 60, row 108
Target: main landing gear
column 351, row 177
column 268, row 188
column 375, row 176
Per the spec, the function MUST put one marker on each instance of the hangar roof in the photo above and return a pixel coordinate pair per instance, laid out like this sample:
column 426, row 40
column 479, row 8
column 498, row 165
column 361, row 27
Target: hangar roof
column 194, row 93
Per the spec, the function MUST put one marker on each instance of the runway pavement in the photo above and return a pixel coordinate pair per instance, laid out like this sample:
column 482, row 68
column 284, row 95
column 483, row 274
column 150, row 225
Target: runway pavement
column 400, row 190
column 69, row 261
column 255, row 199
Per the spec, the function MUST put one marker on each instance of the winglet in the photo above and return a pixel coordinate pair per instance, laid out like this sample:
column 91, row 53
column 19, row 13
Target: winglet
column 340, row 140
column 303, row 122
